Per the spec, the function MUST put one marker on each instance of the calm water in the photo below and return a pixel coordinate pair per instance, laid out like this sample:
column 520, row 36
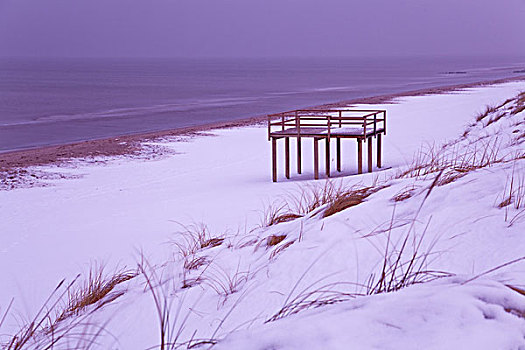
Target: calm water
column 45, row 102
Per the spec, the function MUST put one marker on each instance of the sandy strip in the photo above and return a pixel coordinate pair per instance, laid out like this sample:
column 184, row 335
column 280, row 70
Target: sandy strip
column 132, row 144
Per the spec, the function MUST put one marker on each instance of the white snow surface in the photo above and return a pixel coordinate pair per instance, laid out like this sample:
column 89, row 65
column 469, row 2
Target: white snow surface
column 443, row 315
column 109, row 212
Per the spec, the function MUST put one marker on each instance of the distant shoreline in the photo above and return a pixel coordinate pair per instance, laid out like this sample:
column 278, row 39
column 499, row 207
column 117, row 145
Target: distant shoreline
column 131, row 144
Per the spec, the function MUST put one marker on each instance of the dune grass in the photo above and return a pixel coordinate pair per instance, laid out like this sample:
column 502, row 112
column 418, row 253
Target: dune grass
column 194, row 238
column 488, row 110
column 520, row 104
column 65, row 318
column 224, row 282
column 331, row 196
column 349, row 198
column 274, row 240
column 96, row 291
column 513, row 195
column 402, row 264
column 461, row 156
column 405, row 193
column 456, row 161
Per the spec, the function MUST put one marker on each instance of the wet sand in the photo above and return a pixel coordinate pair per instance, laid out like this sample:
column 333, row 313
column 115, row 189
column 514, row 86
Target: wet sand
column 11, row 162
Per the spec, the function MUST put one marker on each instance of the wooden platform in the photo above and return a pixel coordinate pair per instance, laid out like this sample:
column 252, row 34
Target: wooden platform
column 359, row 124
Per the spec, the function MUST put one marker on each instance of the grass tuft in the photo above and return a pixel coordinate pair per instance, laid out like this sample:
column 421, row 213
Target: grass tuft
column 405, row 262
column 44, row 331
column 276, row 214
column 488, row 110
column 404, row 194
column 194, row 238
column 520, row 104
column 495, row 118
column 513, row 196
column 325, row 295
column 225, row 283
column 280, row 249
column 334, row 195
column 168, row 320
column 274, row 240
column 96, row 291
column 350, row 198
column 195, row 262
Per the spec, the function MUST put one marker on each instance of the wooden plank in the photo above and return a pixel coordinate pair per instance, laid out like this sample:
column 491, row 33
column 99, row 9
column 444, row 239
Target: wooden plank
column 338, row 153
column 287, row 157
column 333, row 110
column 316, row 158
column 323, row 118
column 327, row 163
column 369, row 153
column 359, row 156
column 378, row 160
column 274, row 159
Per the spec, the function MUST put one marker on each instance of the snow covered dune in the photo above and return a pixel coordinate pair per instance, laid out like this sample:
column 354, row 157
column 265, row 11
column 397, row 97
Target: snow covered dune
column 445, row 315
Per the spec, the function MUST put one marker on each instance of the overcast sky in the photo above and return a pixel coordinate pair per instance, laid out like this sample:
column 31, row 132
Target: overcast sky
column 189, row 28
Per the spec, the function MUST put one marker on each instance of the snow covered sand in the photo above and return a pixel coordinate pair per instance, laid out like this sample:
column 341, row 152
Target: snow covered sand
column 110, row 210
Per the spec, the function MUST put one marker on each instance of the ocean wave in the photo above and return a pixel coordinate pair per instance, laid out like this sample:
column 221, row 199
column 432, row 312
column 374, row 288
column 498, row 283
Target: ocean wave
column 137, row 111
column 334, row 88
column 313, row 90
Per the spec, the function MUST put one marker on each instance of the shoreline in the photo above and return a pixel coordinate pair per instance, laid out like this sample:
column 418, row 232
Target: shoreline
column 132, row 144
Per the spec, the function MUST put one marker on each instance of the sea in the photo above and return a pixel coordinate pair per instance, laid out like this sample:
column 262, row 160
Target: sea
column 55, row 101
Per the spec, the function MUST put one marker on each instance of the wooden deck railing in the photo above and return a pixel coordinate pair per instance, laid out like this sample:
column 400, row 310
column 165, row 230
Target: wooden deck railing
column 300, row 121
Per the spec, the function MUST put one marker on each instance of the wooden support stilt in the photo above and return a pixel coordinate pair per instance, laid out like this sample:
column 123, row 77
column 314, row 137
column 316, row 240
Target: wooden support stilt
column 379, row 165
column 299, row 155
column 287, row 157
column 316, row 158
column 370, row 165
column 274, row 159
column 327, row 163
column 359, row 156
column 338, row 153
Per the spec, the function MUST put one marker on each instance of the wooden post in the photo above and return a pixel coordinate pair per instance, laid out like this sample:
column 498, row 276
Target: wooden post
column 299, row 171
column 298, row 127
column 379, row 151
column 327, row 157
column 338, row 153
column 370, row 165
column 359, row 156
column 316, row 158
column 274, row 159
column 287, row 157
column 269, row 126
column 384, row 121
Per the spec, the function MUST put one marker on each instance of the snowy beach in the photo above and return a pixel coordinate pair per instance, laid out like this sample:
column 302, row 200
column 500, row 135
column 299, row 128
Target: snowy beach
column 67, row 217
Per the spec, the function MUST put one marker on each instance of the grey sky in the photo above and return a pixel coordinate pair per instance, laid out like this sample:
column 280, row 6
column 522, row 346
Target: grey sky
column 260, row 27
